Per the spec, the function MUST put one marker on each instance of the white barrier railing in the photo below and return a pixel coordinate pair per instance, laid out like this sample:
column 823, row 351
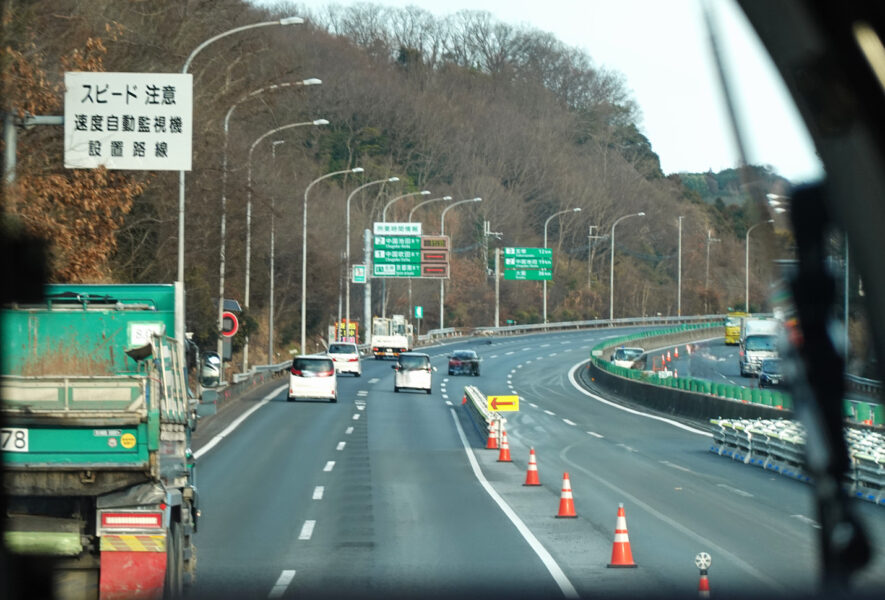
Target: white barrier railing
column 779, row 445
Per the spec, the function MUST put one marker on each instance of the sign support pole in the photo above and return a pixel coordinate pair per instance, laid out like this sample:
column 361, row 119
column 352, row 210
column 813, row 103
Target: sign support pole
column 497, row 287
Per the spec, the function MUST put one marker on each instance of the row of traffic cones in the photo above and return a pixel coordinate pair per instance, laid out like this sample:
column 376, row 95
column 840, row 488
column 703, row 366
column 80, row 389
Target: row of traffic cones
column 622, row 556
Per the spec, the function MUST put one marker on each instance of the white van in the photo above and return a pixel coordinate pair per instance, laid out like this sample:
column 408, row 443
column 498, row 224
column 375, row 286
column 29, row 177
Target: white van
column 413, row 371
column 313, row 376
column 346, row 357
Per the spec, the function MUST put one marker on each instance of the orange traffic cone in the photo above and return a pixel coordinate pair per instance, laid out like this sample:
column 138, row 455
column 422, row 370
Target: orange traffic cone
column 704, row 586
column 464, row 400
column 668, row 356
column 531, row 476
column 492, row 443
column 566, row 501
column 621, row 554
column 504, row 455
column 688, row 348
column 676, row 352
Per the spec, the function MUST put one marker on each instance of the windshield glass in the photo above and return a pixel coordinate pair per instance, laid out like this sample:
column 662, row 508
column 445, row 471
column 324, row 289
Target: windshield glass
column 761, row 343
column 628, row 353
column 342, row 349
column 409, row 362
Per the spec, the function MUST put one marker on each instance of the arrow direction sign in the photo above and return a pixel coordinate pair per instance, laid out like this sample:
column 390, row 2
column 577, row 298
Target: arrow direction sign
column 503, row 403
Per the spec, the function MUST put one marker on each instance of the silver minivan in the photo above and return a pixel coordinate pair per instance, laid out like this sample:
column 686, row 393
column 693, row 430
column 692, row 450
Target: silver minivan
column 413, row 371
column 313, row 376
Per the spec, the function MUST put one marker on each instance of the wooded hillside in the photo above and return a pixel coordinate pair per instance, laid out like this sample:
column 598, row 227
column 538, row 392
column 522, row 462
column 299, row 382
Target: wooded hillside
column 464, row 107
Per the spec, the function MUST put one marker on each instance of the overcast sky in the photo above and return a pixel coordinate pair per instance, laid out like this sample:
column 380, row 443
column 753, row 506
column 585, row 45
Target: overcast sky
column 662, row 49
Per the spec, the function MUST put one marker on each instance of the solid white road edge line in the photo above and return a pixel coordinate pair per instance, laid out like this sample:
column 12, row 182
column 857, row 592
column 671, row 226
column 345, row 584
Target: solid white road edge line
column 568, row 590
column 227, row 430
column 577, row 386
column 282, row 583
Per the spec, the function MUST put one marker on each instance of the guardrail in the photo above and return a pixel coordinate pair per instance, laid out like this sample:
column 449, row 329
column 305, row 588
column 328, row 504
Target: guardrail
column 449, row 332
column 779, row 445
column 862, row 385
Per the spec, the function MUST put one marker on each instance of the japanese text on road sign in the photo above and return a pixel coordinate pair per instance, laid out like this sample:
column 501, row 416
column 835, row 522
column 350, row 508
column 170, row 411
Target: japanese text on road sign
column 138, row 121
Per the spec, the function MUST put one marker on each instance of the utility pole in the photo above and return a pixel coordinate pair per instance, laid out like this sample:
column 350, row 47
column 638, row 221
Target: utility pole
column 367, row 294
column 486, row 234
column 590, row 239
column 710, row 240
column 679, row 274
column 497, row 287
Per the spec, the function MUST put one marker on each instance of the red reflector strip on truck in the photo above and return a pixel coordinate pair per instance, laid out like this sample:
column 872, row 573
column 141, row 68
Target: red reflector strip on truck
column 138, row 520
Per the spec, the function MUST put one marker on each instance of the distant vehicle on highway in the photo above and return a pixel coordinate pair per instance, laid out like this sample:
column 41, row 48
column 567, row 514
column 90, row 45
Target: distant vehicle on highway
column 413, row 371
column 758, row 342
column 627, row 357
column 464, row 362
column 733, row 322
column 313, row 376
column 346, row 357
column 770, row 373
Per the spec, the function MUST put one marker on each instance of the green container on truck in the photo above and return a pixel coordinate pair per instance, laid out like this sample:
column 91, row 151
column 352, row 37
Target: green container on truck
column 96, row 426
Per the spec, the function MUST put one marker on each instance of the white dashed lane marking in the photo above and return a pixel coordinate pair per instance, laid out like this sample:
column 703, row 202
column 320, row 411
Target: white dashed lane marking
column 318, row 492
column 307, row 530
column 329, row 466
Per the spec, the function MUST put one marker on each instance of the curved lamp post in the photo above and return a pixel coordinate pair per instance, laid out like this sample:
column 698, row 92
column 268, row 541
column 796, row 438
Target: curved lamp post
column 442, row 281
column 384, row 220
column 304, row 246
column 317, row 122
column 270, row 307
column 547, row 222
column 611, row 297
column 747, row 263
column 347, row 246
column 221, row 262
column 180, row 312
column 412, row 212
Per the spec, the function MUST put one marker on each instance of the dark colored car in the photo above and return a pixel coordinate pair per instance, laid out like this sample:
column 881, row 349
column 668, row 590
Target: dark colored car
column 770, row 373
column 464, row 362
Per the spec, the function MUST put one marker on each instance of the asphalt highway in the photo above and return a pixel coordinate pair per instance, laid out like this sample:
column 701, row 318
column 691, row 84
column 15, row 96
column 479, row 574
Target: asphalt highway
column 389, row 494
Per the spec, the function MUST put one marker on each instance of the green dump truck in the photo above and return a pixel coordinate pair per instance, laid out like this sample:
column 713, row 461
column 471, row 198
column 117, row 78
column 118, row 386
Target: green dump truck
column 96, row 426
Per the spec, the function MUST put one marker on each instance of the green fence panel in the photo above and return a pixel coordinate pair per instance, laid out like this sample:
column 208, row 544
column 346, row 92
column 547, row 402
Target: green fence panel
column 863, row 411
column 746, row 394
column 756, row 395
column 766, row 397
column 878, row 414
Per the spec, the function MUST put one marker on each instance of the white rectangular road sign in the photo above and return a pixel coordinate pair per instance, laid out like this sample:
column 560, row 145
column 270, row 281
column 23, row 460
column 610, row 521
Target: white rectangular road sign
column 137, row 121
column 382, row 228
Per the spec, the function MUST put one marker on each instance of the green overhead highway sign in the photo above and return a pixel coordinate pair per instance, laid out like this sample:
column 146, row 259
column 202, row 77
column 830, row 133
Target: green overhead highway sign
column 397, row 242
column 397, row 270
column 397, row 257
column 527, row 262
column 528, row 252
column 528, row 274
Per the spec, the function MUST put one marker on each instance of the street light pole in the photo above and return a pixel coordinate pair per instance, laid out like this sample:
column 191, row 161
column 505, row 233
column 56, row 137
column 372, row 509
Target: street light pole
column 221, row 261
column 747, row 263
column 384, row 219
column 347, row 248
column 316, row 122
column 710, row 240
column 274, row 145
column 304, row 248
column 679, row 273
column 611, row 274
column 442, row 231
column 180, row 311
column 547, row 222
column 412, row 212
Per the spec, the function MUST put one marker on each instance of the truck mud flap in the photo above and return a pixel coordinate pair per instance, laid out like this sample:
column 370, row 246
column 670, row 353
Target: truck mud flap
column 132, row 566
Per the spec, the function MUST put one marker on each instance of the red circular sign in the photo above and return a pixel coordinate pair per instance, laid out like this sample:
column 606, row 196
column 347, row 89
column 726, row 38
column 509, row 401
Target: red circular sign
column 230, row 325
